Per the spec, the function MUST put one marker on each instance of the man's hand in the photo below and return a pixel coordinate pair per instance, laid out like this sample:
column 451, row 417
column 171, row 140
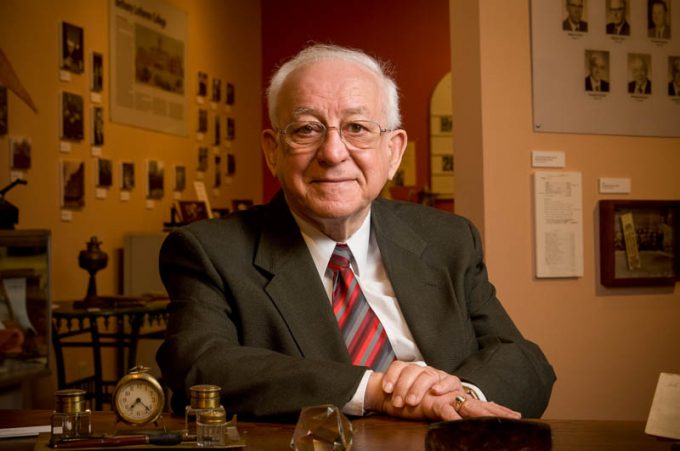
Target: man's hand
column 411, row 391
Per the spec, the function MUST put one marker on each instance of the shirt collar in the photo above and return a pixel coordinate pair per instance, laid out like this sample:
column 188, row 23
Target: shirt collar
column 321, row 246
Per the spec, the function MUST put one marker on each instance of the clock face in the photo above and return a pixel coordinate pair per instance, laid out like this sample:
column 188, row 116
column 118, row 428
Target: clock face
column 138, row 400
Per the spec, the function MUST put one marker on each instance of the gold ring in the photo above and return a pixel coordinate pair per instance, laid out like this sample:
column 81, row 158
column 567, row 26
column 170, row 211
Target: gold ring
column 458, row 402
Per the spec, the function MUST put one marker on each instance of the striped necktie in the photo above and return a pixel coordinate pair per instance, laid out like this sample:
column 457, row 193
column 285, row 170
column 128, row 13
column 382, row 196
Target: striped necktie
column 361, row 329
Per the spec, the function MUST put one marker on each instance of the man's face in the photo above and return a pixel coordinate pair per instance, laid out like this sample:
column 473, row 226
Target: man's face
column 597, row 68
column 330, row 182
column 658, row 14
column 617, row 8
column 639, row 71
column 575, row 9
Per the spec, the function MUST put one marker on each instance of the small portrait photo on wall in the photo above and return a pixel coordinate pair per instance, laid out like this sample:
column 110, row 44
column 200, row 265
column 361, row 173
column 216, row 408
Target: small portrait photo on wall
column 72, row 48
column 202, row 120
column 202, row 159
column 217, row 136
column 575, row 16
column 597, row 71
column 155, row 173
column 72, row 184
column 97, row 72
column 231, row 94
column 659, row 19
column 71, row 116
column 180, row 178
column 127, row 175
column 217, row 179
column 674, row 76
column 617, row 18
column 97, row 126
column 639, row 74
column 4, row 111
column 231, row 129
column 216, row 90
column 20, row 153
column 104, row 173
column 202, row 88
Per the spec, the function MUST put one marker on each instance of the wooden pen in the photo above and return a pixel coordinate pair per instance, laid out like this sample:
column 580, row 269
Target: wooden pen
column 165, row 438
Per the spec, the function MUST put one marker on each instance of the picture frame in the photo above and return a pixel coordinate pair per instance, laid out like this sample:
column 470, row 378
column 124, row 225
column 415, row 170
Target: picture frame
column 97, row 77
column 191, row 210
column 72, row 116
column 639, row 242
column 72, row 48
column 127, row 175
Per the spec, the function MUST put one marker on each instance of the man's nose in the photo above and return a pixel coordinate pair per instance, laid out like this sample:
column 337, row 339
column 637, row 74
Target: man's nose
column 333, row 148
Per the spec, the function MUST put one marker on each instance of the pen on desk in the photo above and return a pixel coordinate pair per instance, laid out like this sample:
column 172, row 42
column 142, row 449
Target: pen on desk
column 167, row 438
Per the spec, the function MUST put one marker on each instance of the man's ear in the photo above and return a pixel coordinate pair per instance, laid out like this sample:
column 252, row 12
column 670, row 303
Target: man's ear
column 270, row 143
column 396, row 149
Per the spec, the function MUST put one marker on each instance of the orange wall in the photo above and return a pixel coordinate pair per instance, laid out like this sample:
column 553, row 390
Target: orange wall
column 608, row 346
column 223, row 41
column 411, row 36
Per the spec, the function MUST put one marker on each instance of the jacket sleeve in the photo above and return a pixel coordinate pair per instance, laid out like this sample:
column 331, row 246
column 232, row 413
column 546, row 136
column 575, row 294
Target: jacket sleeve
column 207, row 337
column 509, row 369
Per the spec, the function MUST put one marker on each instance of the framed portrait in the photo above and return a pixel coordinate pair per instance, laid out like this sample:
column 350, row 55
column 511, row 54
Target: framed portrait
column 127, row 175
column 639, row 242
column 202, row 159
column 97, row 126
column 217, row 175
column 155, row 172
column 72, row 48
column 4, row 111
column 72, row 117
column 231, row 164
column 191, row 210
column 673, row 77
column 231, row 94
column 202, row 121
column 20, row 153
column 202, row 88
column 97, row 81
column 216, row 90
column 104, row 173
column 72, row 184
column 231, row 129
column 180, row 178
column 217, row 135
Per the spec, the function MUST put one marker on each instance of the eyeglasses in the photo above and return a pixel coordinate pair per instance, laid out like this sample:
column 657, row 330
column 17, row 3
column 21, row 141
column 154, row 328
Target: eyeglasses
column 304, row 136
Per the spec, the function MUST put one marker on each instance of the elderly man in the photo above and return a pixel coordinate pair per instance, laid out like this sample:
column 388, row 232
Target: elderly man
column 329, row 294
column 617, row 13
column 660, row 28
column 597, row 70
column 573, row 21
column 674, row 84
column 640, row 84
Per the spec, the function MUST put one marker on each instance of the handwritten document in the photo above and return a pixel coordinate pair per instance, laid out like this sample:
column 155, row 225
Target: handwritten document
column 559, row 224
column 664, row 416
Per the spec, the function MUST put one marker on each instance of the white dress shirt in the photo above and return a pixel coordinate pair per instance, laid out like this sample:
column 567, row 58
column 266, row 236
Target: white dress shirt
column 369, row 270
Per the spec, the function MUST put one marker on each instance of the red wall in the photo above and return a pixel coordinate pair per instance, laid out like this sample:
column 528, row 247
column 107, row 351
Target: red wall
column 413, row 36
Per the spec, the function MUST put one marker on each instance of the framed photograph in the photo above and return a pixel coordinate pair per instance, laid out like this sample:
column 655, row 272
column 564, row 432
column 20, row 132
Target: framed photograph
column 180, row 178
column 155, row 172
column 216, row 90
column 231, row 129
column 4, row 111
column 202, row 159
column 97, row 126
column 104, row 173
column 72, row 184
column 217, row 137
column 639, row 242
column 71, row 116
column 97, row 82
column 241, row 204
column 231, row 164
column 202, row 121
column 231, row 94
column 127, row 175
column 20, row 153
column 217, row 179
column 191, row 210
column 72, row 48
column 202, row 89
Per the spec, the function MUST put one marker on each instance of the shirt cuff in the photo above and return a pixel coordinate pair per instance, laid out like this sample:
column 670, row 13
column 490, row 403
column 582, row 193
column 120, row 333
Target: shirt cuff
column 475, row 389
column 355, row 406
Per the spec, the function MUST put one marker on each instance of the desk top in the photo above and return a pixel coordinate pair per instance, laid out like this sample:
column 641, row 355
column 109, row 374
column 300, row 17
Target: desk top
column 377, row 432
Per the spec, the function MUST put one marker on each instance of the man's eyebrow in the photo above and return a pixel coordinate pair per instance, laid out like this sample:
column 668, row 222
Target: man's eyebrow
column 307, row 110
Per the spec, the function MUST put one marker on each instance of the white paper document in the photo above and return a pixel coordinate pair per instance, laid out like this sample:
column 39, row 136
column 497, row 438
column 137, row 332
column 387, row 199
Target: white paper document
column 664, row 416
column 559, row 224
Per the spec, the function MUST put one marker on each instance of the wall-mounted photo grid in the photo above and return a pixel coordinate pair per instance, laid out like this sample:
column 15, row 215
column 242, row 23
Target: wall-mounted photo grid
column 606, row 66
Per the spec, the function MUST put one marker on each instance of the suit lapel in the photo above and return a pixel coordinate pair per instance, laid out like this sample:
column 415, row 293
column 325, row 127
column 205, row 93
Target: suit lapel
column 294, row 286
column 420, row 288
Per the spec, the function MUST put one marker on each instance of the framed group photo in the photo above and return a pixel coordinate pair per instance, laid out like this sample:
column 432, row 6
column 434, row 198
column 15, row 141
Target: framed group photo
column 639, row 242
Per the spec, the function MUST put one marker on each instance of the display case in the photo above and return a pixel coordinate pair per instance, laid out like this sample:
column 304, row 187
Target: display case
column 25, row 305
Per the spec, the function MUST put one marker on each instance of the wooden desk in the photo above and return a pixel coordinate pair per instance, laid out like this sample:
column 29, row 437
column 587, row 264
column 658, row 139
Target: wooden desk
column 380, row 433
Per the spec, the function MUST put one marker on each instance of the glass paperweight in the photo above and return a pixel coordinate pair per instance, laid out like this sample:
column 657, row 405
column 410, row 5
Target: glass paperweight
column 322, row 427
column 70, row 418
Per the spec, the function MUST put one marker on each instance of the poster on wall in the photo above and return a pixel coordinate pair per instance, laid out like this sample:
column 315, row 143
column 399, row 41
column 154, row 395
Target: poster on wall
column 606, row 66
column 148, row 86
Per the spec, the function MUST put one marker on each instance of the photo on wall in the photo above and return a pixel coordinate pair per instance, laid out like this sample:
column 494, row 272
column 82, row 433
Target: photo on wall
column 202, row 159
column 180, row 178
column 97, row 82
column 674, row 76
column 97, row 126
column 4, row 111
column 72, row 174
column 202, row 121
column 104, row 172
column 231, row 164
column 217, row 138
column 202, row 88
column 127, row 175
column 72, row 116
column 231, row 94
column 72, row 48
column 20, row 153
column 231, row 129
column 155, row 173
column 217, row 179
column 216, row 90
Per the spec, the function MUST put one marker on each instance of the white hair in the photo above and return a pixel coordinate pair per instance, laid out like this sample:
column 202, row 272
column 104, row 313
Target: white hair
column 318, row 52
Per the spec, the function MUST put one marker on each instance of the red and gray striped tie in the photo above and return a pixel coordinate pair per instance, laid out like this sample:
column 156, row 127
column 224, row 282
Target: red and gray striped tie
column 364, row 335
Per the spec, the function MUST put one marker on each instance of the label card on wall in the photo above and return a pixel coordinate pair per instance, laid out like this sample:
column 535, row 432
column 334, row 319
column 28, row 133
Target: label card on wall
column 559, row 224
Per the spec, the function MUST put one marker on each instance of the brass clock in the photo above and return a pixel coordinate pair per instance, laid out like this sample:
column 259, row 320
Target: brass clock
column 138, row 398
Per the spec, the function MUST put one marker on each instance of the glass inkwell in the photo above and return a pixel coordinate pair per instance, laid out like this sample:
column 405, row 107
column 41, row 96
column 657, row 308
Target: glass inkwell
column 211, row 426
column 203, row 399
column 70, row 418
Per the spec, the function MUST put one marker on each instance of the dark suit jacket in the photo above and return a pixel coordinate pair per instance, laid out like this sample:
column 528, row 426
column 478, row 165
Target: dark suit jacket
column 665, row 35
column 625, row 29
column 250, row 314
column 604, row 85
column 671, row 89
column 648, row 87
column 582, row 26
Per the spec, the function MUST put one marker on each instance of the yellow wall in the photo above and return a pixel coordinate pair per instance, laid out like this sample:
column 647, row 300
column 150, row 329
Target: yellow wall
column 608, row 346
column 223, row 41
